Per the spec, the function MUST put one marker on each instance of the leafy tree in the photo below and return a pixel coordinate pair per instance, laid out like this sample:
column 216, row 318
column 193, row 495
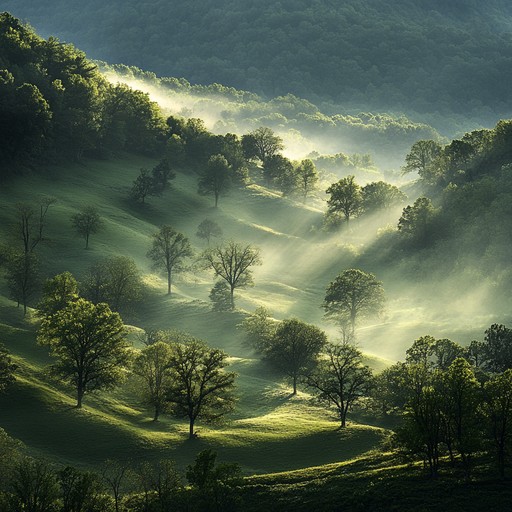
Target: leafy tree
column 216, row 179
column 114, row 474
column 341, row 380
column 379, row 195
column 259, row 329
column 89, row 344
column 7, row 369
column 346, row 198
column 87, row 222
column 200, row 387
column 497, row 349
column 34, row 486
column 161, row 174
column 220, row 296
column 152, row 365
column 168, row 252
column 294, row 348
column 352, row 295
column 214, row 484
column 279, row 169
column 262, row 144
column 23, row 279
column 307, row 178
column 58, row 292
column 232, row 262
column 416, row 220
column 497, row 407
column 80, row 490
column 142, row 186
column 208, row 229
column 421, row 159
column 115, row 280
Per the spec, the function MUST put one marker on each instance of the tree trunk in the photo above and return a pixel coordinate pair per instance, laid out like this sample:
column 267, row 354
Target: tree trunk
column 169, row 283
column 79, row 397
column 216, row 198
column 232, row 291
column 191, row 429
column 295, row 384
column 157, row 413
column 87, row 241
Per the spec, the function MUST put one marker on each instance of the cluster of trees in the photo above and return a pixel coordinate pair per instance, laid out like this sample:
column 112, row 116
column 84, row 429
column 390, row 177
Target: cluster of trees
column 36, row 485
column 371, row 51
column 454, row 401
column 55, row 104
column 349, row 200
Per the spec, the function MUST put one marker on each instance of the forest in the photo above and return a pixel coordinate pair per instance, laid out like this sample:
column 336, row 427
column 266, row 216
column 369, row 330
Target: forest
column 200, row 319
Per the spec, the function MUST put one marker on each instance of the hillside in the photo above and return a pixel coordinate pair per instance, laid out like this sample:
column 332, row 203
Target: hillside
column 439, row 59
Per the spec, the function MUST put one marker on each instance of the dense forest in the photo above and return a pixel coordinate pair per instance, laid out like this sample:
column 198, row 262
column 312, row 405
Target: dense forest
column 440, row 59
column 231, row 315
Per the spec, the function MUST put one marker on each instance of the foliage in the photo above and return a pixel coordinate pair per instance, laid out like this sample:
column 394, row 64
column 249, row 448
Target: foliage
column 200, row 388
column 381, row 196
column 352, row 295
column 416, row 220
column 23, row 278
column 58, row 292
column 220, row 297
column 232, row 262
column 346, row 198
column 216, row 179
column 87, row 222
column 7, row 369
column 259, row 329
column 207, row 229
column 89, row 343
column 294, row 348
column 168, row 252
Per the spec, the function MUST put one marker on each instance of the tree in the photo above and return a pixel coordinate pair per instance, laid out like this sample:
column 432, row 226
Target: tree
column 115, row 280
column 30, row 226
column 280, row 169
column 152, row 365
column 352, row 295
column 142, row 186
column 307, row 178
column 161, row 174
column 220, row 296
column 208, row 229
column 416, row 220
column 341, row 380
column 58, row 292
column 23, row 279
column 294, row 348
column 87, row 222
column 7, row 369
column 79, row 489
column 497, row 407
column 262, row 144
column 168, row 252
column 216, row 179
column 497, row 349
column 200, row 387
column 89, row 343
column 346, row 198
column 379, row 195
column 259, row 329
column 421, row 159
column 232, row 262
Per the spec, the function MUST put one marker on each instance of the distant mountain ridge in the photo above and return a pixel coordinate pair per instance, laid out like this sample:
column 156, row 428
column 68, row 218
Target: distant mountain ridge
column 425, row 56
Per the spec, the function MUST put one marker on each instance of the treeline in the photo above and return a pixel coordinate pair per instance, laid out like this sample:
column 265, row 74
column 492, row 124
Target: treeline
column 55, row 105
column 401, row 55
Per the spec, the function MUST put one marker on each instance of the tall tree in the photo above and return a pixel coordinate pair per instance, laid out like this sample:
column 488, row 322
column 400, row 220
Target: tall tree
column 416, row 220
column 379, row 195
column 58, row 292
column 87, row 222
column 200, row 387
column 421, row 159
column 232, row 262
column 31, row 222
column 262, row 144
column 142, row 186
column 352, row 295
column 294, row 348
column 168, row 252
column 341, row 380
column 89, row 344
column 152, row 365
column 208, row 229
column 216, row 178
column 307, row 178
column 23, row 279
column 346, row 198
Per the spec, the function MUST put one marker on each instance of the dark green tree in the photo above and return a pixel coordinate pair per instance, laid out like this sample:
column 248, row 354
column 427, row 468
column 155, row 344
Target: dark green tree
column 142, row 186
column 220, row 297
column 58, row 292
column 216, row 179
column 89, row 344
column 379, row 195
column 87, row 222
column 23, row 278
column 416, row 220
column 208, row 229
column 422, row 159
column 7, row 369
column 261, row 144
column 346, row 198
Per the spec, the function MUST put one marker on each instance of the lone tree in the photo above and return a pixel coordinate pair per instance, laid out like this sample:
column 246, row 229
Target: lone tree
column 232, row 262
column 220, row 296
column 352, row 295
column 31, row 223
column 346, row 198
column 200, row 388
column 87, row 222
column 208, row 229
column 23, row 279
column 7, row 369
column 142, row 186
column 294, row 348
column 168, row 252
column 58, row 292
column 216, row 179
column 340, row 380
column 89, row 343
column 152, row 366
